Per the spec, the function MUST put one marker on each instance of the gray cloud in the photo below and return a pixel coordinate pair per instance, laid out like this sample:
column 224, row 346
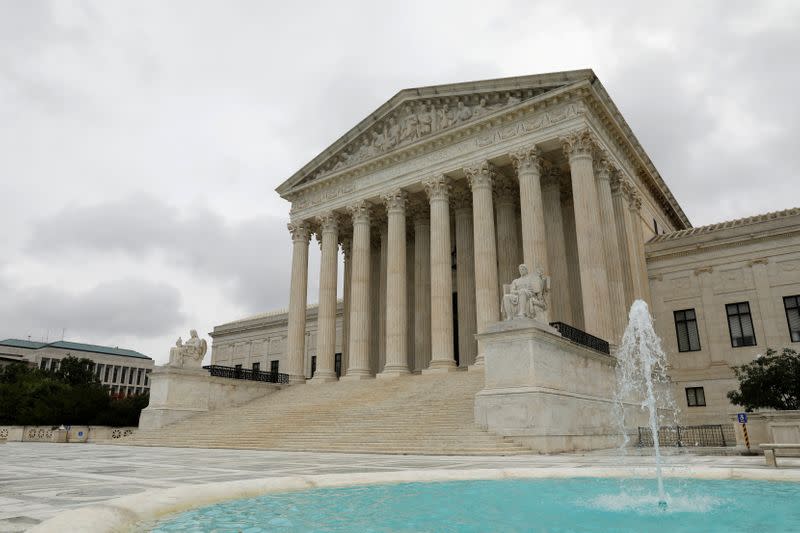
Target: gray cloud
column 246, row 257
column 126, row 307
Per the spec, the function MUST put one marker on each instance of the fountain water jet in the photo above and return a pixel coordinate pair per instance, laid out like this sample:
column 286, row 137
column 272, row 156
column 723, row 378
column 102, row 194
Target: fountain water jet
column 641, row 373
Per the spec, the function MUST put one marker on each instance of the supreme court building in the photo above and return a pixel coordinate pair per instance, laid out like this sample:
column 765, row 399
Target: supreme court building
column 438, row 196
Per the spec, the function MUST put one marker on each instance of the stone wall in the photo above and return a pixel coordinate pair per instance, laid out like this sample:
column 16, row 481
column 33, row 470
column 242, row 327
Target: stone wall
column 74, row 434
column 776, row 427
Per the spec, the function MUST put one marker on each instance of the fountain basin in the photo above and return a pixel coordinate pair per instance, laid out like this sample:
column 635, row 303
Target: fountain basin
column 144, row 509
column 578, row 504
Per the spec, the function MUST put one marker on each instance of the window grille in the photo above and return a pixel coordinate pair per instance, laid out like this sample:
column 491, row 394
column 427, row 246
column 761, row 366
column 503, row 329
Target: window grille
column 686, row 330
column 740, row 324
column 695, row 397
column 792, row 306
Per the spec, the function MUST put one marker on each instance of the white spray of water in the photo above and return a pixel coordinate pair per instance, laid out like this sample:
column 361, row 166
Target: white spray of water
column 642, row 377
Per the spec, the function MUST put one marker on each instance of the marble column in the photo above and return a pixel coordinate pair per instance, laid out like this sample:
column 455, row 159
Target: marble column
column 360, row 308
column 622, row 222
column 410, row 333
column 382, row 298
column 487, row 299
column 528, row 164
column 616, row 288
column 422, row 289
column 637, row 246
column 561, row 310
column 507, row 237
column 347, row 252
column 465, row 277
column 326, row 312
column 298, row 288
column 578, row 148
column 396, row 304
column 442, row 353
column 573, row 265
column 375, row 298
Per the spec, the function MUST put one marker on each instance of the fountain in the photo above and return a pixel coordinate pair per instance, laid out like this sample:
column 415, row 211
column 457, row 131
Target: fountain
column 641, row 373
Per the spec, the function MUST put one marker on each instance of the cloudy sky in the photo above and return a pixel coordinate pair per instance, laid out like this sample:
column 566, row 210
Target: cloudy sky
column 141, row 142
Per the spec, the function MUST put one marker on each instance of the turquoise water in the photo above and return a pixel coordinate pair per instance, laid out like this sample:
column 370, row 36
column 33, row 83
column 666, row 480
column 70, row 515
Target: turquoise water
column 551, row 505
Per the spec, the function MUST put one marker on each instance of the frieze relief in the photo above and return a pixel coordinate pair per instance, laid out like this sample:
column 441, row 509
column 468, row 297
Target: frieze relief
column 338, row 188
column 732, row 280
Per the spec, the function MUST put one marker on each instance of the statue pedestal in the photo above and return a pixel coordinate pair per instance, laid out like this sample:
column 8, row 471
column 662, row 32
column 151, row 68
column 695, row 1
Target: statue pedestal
column 544, row 391
column 180, row 393
column 175, row 394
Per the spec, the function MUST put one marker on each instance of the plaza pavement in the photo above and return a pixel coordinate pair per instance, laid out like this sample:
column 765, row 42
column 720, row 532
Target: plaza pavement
column 38, row 480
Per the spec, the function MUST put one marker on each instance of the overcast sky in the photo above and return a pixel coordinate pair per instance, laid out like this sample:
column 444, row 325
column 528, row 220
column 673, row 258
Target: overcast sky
column 141, row 142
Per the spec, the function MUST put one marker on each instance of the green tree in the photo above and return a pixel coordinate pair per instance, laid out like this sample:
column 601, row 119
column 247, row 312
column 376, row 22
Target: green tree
column 71, row 395
column 771, row 381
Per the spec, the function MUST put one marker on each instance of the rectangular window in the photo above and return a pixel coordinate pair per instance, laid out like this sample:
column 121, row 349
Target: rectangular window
column 740, row 324
column 130, row 376
column 792, row 306
column 695, row 397
column 108, row 370
column 139, row 377
column 114, row 378
column 147, row 377
column 273, row 366
column 237, row 371
column 686, row 330
column 313, row 365
column 337, row 364
column 256, row 367
column 124, row 374
column 43, row 364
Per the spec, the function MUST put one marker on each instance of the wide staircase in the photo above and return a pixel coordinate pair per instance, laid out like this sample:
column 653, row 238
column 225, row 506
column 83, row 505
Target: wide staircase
column 419, row 414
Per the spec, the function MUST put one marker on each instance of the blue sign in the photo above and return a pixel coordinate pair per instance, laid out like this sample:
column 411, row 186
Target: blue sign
column 80, row 433
column 742, row 418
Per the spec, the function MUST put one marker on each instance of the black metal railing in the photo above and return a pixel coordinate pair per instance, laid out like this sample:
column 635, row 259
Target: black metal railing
column 244, row 373
column 687, row 436
column 581, row 337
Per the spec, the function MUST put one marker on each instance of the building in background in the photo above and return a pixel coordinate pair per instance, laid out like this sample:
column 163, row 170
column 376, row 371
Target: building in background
column 124, row 372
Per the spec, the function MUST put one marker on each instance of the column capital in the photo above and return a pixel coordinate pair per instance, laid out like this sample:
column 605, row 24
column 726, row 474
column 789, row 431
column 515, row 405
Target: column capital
column 528, row 159
column 605, row 167
column 329, row 222
column 395, row 201
column 480, row 175
column 617, row 183
column 347, row 246
column 551, row 177
column 437, row 187
column 703, row 270
column 505, row 190
column 300, row 231
column 360, row 212
column 634, row 199
column 578, row 144
column 461, row 198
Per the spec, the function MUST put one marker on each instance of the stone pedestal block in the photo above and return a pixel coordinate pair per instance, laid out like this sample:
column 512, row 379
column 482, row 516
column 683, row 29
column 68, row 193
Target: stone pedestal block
column 180, row 393
column 544, row 391
column 175, row 394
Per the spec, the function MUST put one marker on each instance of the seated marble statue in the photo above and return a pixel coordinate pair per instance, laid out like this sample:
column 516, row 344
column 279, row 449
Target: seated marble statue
column 192, row 352
column 526, row 297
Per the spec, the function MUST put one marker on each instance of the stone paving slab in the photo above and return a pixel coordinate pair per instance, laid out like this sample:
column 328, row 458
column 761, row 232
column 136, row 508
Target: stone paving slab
column 38, row 480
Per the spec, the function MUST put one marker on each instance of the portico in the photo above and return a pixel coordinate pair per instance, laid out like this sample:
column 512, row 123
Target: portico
column 439, row 195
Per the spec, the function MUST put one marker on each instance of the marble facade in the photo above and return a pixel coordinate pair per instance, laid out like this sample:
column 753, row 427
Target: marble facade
column 510, row 160
column 437, row 197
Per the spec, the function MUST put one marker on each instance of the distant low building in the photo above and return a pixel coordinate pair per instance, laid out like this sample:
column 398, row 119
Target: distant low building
column 124, row 372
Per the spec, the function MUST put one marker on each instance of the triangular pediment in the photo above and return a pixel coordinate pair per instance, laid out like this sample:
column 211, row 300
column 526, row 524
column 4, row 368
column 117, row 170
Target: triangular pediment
column 416, row 114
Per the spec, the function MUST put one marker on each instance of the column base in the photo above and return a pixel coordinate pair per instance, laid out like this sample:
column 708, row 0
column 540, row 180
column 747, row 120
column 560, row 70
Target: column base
column 440, row 367
column 295, row 380
column 357, row 375
column 394, row 371
column 323, row 376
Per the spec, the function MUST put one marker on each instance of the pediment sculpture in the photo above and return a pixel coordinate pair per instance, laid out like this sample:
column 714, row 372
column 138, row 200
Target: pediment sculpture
column 188, row 354
column 526, row 296
column 415, row 120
